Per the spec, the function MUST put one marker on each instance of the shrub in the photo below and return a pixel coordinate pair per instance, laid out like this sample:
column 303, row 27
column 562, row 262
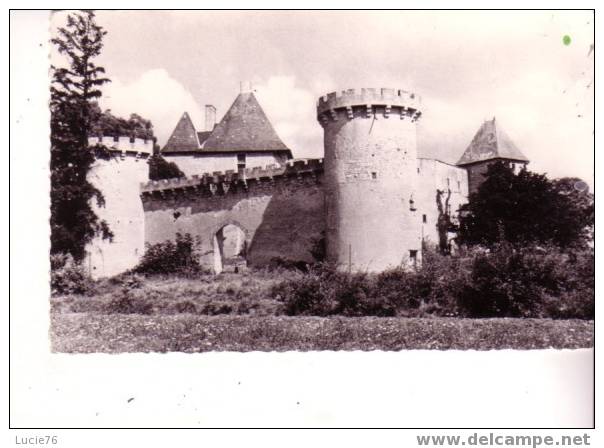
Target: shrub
column 277, row 263
column 186, row 306
column 127, row 279
column 577, row 296
column 180, row 256
column 67, row 276
column 160, row 168
column 528, row 281
column 126, row 302
column 507, row 281
column 303, row 295
column 214, row 308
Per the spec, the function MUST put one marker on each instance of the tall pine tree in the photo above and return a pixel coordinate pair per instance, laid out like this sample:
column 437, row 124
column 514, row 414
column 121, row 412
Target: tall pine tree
column 74, row 88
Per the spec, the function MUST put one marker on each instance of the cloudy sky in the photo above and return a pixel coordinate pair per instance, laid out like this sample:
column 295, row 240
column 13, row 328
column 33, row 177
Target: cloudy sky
column 467, row 67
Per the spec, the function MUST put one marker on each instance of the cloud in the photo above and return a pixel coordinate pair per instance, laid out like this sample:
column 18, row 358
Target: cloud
column 292, row 111
column 154, row 95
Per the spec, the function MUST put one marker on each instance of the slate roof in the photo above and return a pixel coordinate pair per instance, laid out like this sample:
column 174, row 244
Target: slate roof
column 490, row 142
column 184, row 136
column 244, row 128
column 202, row 136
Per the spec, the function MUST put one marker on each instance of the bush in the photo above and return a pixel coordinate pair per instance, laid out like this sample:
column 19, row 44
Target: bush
column 278, row 263
column 127, row 302
column 171, row 257
column 529, row 281
column 214, row 308
column 67, row 276
column 303, row 295
column 507, row 281
column 160, row 168
column 186, row 306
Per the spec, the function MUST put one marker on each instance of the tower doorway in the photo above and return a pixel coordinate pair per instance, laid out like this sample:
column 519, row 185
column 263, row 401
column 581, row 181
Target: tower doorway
column 230, row 248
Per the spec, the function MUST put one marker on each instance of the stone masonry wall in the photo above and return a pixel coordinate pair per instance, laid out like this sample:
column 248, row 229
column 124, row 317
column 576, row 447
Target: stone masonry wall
column 119, row 180
column 371, row 178
column 435, row 175
column 279, row 209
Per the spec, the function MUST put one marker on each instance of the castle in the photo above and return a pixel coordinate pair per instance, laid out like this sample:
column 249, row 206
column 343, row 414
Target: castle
column 246, row 200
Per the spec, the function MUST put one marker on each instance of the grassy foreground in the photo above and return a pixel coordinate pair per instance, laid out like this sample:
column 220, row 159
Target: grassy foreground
column 117, row 333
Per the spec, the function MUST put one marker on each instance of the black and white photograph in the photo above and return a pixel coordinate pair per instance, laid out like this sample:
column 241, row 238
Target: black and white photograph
column 317, row 188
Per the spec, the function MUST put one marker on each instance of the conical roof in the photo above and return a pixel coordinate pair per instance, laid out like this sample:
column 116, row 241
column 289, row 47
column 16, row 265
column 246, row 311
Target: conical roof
column 184, row 136
column 244, row 127
column 490, row 142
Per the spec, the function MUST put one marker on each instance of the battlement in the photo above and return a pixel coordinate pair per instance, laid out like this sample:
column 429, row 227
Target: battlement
column 211, row 181
column 368, row 98
column 124, row 144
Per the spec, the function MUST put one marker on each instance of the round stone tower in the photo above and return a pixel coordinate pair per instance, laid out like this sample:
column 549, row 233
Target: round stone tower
column 119, row 178
column 371, row 178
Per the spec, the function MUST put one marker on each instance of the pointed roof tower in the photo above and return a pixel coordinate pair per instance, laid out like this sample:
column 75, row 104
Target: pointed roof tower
column 490, row 142
column 244, row 128
column 184, row 136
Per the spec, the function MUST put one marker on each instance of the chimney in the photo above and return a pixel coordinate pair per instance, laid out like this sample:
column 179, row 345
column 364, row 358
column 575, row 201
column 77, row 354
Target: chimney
column 246, row 86
column 210, row 117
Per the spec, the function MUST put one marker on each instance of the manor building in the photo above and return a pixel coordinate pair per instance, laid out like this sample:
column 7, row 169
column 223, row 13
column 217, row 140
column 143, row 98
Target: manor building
column 244, row 138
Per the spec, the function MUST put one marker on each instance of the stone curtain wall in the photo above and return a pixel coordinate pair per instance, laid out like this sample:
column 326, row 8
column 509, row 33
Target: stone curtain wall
column 436, row 176
column 279, row 209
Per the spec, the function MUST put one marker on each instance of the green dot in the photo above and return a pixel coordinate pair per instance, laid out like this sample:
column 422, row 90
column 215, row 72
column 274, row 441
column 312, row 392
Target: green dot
column 566, row 40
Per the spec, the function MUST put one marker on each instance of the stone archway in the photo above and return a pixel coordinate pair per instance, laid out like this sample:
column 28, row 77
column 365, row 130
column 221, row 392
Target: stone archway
column 230, row 245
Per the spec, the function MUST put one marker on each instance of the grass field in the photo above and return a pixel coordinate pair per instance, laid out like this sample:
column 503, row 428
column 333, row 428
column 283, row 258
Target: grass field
column 235, row 312
column 86, row 333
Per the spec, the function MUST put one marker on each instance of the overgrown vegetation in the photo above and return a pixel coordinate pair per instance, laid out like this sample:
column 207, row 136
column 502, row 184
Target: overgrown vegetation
column 180, row 256
column 107, row 124
column 76, row 116
column 74, row 90
column 527, row 208
column 506, row 281
column 160, row 168
column 67, row 276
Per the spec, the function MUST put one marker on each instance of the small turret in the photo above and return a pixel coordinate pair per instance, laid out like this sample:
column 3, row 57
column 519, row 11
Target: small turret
column 490, row 144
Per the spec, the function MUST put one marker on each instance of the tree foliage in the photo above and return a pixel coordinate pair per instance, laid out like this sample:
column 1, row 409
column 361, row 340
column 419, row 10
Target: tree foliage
column 107, row 124
column 73, row 90
column 526, row 208
column 160, row 168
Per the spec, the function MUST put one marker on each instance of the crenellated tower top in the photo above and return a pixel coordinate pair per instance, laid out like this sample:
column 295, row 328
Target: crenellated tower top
column 369, row 101
column 124, row 145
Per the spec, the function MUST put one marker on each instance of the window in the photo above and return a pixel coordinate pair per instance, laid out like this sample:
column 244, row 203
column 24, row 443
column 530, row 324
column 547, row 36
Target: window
column 373, row 175
column 424, row 219
column 413, row 257
column 458, row 186
column 448, row 182
column 240, row 162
